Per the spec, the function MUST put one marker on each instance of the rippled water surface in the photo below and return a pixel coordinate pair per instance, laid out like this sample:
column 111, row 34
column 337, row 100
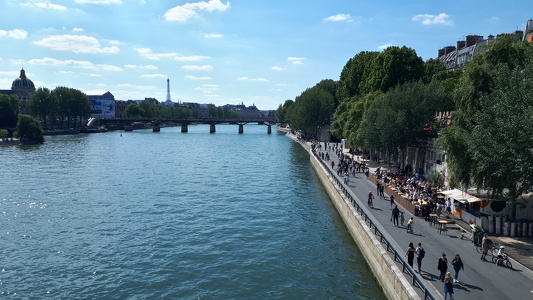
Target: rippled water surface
column 172, row 216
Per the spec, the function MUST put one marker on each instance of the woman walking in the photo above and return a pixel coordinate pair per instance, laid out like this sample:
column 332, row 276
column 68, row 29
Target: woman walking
column 442, row 266
column 448, row 286
column 457, row 266
column 410, row 254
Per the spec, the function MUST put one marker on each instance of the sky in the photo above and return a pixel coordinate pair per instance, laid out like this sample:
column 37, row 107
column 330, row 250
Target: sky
column 255, row 52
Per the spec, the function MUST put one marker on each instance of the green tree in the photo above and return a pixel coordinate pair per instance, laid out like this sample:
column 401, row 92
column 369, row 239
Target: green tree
column 390, row 68
column 29, row 128
column 132, row 111
column 352, row 74
column 281, row 112
column 9, row 109
column 500, row 143
column 432, row 66
column 311, row 111
column 81, row 105
column 43, row 104
column 400, row 118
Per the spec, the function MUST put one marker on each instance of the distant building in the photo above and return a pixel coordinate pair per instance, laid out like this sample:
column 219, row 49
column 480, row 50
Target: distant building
column 23, row 88
column 103, row 105
column 456, row 57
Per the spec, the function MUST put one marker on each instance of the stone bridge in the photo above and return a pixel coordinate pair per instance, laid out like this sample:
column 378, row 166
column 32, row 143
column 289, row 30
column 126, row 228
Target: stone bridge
column 155, row 123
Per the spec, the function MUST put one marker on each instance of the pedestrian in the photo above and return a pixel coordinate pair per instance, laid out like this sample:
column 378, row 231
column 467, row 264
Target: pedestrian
column 410, row 254
column 395, row 215
column 391, row 201
column 448, row 204
column 457, row 266
column 442, row 266
column 448, row 286
column 485, row 246
column 420, row 253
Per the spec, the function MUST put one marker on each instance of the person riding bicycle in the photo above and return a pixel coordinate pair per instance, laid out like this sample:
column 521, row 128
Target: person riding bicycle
column 501, row 254
column 370, row 198
column 410, row 225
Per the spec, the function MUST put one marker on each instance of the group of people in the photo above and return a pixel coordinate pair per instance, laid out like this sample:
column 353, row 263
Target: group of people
column 442, row 265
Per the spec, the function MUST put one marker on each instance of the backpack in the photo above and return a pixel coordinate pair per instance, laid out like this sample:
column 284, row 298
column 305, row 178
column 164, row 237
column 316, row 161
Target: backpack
column 421, row 252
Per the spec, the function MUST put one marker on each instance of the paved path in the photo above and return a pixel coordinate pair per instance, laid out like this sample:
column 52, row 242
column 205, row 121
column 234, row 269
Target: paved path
column 479, row 280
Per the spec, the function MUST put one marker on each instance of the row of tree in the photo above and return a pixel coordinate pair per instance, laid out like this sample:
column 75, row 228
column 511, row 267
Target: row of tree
column 59, row 105
column 146, row 109
column 387, row 101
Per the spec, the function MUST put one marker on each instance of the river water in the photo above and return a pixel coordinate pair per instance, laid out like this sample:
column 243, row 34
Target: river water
column 171, row 215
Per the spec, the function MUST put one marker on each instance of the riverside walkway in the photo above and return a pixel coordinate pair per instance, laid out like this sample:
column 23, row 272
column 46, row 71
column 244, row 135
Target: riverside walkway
column 479, row 280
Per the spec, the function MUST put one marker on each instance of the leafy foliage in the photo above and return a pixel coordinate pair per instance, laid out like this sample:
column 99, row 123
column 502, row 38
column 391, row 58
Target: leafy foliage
column 29, row 128
column 9, row 109
column 311, row 110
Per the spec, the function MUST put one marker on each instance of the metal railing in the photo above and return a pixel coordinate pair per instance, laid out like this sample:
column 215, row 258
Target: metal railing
column 372, row 223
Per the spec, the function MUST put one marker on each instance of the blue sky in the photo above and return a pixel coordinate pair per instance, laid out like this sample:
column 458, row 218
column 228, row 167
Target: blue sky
column 251, row 51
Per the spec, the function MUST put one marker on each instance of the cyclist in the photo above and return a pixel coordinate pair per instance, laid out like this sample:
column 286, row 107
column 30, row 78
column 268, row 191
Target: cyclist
column 370, row 198
column 501, row 254
column 410, row 225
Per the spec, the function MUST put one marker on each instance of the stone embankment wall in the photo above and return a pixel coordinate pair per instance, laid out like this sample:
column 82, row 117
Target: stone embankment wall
column 393, row 282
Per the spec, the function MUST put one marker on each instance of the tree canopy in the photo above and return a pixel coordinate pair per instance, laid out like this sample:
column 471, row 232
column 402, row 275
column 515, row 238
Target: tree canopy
column 9, row 109
column 311, row 110
column 29, row 128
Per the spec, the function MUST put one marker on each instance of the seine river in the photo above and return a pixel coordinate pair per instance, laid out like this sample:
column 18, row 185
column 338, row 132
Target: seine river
column 171, row 215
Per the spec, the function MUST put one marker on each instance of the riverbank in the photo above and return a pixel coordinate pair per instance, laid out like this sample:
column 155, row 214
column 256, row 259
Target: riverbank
column 392, row 280
column 475, row 282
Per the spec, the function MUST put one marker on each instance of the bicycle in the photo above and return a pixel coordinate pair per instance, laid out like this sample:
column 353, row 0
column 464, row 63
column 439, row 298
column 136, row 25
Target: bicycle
column 503, row 261
column 492, row 251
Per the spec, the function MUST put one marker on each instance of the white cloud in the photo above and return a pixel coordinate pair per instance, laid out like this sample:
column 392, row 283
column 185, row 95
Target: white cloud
column 154, row 76
column 253, row 79
column 76, row 29
column 99, row 1
column 187, row 11
column 96, row 75
column 76, row 44
column 426, row 19
column 198, row 68
column 52, row 62
column 339, row 17
column 140, row 87
column 275, row 68
column 208, row 88
column 148, row 67
column 213, row 35
column 191, row 77
column 147, row 53
column 383, row 47
column 191, row 58
column 18, row 34
column 13, row 74
column 297, row 60
column 44, row 5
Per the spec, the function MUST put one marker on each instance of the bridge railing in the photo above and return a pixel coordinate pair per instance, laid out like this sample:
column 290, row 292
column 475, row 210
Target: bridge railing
column 374, row 225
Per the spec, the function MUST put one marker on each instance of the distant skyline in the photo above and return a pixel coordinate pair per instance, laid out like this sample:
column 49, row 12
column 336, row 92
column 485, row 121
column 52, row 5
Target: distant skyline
column 225, row 52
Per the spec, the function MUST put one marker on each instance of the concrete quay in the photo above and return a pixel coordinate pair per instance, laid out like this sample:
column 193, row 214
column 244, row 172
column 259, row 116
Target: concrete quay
column 479, row 280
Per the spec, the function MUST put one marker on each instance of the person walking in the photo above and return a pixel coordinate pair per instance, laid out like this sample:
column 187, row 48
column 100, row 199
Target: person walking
column 448, row 286
column 442, row 266
column 391, row 201
column 420, row 253
column 485, row 242
column 410, row 254
column 395, row 215
column 457, row 266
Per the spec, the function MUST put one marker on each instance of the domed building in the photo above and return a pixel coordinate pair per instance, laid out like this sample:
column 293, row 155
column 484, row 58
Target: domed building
column 22, row 87
column 23, row 84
